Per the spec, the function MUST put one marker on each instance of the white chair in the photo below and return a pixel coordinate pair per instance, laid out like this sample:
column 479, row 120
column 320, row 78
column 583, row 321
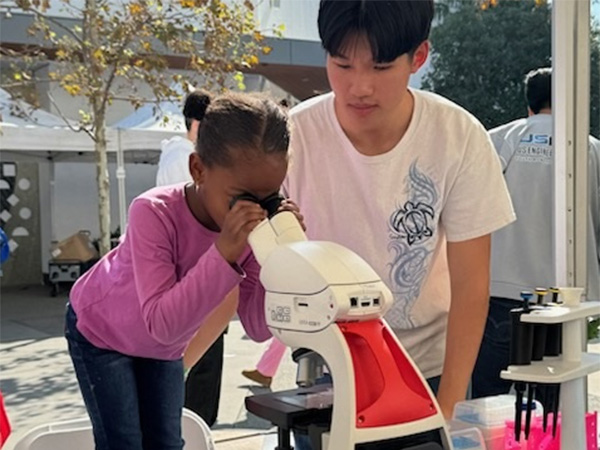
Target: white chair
column 77, row 435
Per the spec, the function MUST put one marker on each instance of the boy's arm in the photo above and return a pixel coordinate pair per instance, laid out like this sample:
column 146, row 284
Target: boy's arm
column 469, row 264
column 214, row 325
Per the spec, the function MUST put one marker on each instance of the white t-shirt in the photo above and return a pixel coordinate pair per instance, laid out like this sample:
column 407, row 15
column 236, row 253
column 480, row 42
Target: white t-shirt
column 442, row 181
column 173, row 165
column 523, row 253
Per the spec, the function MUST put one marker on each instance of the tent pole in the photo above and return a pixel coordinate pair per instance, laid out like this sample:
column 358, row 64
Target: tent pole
column 570, row 109
column 563, row 98
column 581, row 129
column 121, row 185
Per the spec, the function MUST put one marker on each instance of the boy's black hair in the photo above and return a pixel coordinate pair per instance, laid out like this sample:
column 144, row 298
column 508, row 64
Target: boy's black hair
column 245, row 124
column 195, row 106
column 393, row 27
column 538, row 89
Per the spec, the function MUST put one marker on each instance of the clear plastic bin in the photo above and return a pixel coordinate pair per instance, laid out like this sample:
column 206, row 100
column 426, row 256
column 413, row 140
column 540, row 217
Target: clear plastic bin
column 491, row 411
column 490, row 414
column 466, row 438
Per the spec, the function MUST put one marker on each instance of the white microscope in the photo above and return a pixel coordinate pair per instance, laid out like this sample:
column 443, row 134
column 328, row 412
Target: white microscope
column 323, row 297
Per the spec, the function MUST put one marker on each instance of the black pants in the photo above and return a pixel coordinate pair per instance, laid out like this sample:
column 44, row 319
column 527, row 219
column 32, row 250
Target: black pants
column 203, row 383
column 494, row 353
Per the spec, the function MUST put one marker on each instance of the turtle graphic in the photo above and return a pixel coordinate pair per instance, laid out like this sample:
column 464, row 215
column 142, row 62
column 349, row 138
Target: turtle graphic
column 413, row 221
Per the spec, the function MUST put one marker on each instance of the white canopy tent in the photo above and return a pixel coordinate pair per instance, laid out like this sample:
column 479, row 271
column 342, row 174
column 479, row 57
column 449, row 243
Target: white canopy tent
column 40, row 133
column 29, row 134
column 18, row 112
column 26, row 129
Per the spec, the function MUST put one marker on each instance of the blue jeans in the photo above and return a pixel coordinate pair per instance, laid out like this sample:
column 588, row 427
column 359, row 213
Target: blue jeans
column 302, row 440
column 133, row 403
column 494, row 352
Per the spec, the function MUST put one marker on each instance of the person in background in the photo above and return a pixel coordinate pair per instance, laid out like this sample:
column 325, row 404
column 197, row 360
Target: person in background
column 406, row 179
column 522, row 253
column 173, row 164
column 267, row 364
column 4, row 248
column 130, row 317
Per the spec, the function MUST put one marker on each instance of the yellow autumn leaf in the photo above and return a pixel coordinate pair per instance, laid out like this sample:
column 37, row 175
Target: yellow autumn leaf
column 258, row 37
column 266, row 49
column 252, row 60
column 187, row 3
column 61, row 54
column 146, row 45
column 17, row 76
column 135, row 9
column 72, row 89
column 98, row 54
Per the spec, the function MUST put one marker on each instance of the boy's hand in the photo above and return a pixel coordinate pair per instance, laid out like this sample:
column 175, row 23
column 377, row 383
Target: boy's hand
column 288, row 205
column 243, row 217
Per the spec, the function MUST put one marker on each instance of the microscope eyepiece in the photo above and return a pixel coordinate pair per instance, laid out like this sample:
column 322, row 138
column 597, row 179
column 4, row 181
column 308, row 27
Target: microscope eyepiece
column 270, row 203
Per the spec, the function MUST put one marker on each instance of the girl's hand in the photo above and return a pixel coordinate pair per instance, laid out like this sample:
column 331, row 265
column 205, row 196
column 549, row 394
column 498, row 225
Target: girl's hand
column 238, row 223
column 288, row 205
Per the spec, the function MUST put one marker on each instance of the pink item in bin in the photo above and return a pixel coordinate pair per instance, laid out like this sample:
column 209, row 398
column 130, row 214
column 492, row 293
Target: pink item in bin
column 538, row 440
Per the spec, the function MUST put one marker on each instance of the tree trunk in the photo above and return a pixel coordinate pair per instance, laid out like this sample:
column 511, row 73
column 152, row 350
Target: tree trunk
column 102, row 179
column 99, row 118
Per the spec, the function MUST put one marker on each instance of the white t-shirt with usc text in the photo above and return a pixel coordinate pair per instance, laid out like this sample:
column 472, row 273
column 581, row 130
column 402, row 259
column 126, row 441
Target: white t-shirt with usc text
column 441, row 182
column 523, row 253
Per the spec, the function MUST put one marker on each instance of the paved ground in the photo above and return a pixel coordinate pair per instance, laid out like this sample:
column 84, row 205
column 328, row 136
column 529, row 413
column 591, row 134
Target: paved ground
column 39, row 385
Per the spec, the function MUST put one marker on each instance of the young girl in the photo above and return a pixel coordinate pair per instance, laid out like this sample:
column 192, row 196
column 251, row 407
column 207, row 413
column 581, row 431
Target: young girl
column 131, row 316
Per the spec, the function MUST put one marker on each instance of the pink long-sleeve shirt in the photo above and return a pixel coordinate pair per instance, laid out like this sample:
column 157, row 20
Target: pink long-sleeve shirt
column 149, row 295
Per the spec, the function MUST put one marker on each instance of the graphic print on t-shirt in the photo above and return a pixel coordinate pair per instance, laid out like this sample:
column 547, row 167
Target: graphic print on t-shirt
column 411, row 228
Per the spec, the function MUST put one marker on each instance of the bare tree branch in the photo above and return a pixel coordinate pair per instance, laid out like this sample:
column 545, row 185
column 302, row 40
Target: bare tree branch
column 22, row 83
column 111, row 78
column 68, row 122
column 53, row 21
